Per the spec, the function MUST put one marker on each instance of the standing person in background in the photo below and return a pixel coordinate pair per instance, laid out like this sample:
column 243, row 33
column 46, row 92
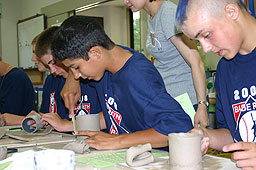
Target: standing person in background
column 17, row 96
column 226, row 28
column 176, row 57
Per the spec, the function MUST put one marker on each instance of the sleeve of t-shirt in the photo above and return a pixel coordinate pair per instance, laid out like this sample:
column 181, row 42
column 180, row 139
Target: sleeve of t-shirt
column 221, row 121
column 168, row 21
column 166, row 115
column 151, row 100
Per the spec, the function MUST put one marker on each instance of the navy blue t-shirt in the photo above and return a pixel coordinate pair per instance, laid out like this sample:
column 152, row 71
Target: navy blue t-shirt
column 135, row 99
column 53, row 103
column 17, row 94
column 235, row 85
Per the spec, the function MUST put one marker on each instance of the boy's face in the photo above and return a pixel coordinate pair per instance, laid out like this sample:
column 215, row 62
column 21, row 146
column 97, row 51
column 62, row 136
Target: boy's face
column 40, row 66
column 55, row 66
column 217, row 35
column 90, row 69
column 135, row 5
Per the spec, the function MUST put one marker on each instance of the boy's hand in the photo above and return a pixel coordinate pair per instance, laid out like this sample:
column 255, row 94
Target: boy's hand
column 31, row 113
column 71, row 93
column 56, row 122
column 11, row 119
column 245, row 154
column 100, row 140
column 204, row 141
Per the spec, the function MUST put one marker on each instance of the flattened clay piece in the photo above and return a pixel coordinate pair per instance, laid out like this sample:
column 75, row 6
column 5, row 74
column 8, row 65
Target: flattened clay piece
column 28, row 128
column 3, row 152
column 88, row 122
column 2, row 122
column 79, row 146
column 139, row 155
column 185, row 151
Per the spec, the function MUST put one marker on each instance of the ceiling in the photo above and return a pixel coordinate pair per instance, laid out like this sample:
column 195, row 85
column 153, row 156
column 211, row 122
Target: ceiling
column 114, row 3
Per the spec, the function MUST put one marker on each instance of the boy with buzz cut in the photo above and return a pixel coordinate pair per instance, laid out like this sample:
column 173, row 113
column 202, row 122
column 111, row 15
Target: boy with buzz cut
column 136, row 107
column 226, row 28
column 52, row 103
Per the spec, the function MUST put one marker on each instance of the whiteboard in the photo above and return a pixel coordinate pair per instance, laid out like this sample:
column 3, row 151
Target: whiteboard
column 27, row 30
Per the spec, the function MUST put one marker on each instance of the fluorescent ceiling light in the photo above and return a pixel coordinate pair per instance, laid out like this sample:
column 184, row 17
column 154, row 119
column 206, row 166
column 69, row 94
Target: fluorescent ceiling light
column 93, row 5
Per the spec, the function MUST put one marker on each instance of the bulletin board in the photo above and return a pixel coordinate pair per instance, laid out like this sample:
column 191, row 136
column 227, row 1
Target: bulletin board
column 27, row 29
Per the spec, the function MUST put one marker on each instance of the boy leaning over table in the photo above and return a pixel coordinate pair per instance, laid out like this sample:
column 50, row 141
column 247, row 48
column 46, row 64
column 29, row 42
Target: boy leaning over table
column 136, row 107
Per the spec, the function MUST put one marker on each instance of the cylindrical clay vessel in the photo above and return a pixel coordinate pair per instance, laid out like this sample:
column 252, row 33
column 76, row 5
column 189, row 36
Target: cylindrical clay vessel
column 185, row 151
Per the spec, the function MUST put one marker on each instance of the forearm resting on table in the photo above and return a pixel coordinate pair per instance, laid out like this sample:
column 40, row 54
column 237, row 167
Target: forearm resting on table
column 11, row 119
column 156, row 139
column 218, row 137
column 67, row 126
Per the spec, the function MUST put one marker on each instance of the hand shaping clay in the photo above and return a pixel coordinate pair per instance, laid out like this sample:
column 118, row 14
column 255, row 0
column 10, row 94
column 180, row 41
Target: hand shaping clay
column 27, row 125
column 185, row 151
column 88, row 122
column 139, row 155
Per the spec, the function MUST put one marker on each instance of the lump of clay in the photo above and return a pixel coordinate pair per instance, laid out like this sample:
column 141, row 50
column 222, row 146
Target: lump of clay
column 139, row 155
column 79, row 146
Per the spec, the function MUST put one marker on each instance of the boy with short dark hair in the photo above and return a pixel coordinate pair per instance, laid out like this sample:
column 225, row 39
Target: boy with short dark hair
column 52, row 104
column 136, row 106
column 226, row 28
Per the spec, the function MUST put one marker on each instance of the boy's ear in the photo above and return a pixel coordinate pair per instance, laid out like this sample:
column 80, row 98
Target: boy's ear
column 232, row 10
column 95, row 52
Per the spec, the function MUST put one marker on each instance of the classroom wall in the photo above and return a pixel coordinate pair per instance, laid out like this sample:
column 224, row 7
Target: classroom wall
column 12, row 11
column 10, row 15
column 115, row 23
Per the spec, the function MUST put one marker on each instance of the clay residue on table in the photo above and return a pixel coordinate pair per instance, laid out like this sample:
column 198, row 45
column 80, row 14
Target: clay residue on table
column 211, row 164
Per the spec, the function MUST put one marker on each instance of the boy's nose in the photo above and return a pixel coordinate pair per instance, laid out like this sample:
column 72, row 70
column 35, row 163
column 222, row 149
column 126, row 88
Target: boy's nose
column 52, row 69
column 207, row 47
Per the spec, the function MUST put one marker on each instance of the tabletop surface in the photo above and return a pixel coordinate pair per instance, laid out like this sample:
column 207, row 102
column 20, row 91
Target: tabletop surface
column 108, row 160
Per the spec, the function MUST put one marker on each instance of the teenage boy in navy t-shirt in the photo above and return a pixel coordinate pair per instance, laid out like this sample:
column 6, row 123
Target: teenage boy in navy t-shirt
column 136, row 107
column 227, row 28
column 52, row 104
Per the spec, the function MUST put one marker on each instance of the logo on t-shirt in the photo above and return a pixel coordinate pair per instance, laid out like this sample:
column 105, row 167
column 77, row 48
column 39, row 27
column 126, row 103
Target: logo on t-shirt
column 114, row 116
column 245, row 117
column 82, row 107
column 53, row 104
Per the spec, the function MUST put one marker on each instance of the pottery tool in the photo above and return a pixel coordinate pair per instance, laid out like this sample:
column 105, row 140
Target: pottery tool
column 74, row 122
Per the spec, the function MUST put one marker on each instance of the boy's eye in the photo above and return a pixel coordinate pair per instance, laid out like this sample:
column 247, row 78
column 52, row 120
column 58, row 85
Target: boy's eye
column 207, row 36
column 52, row 62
